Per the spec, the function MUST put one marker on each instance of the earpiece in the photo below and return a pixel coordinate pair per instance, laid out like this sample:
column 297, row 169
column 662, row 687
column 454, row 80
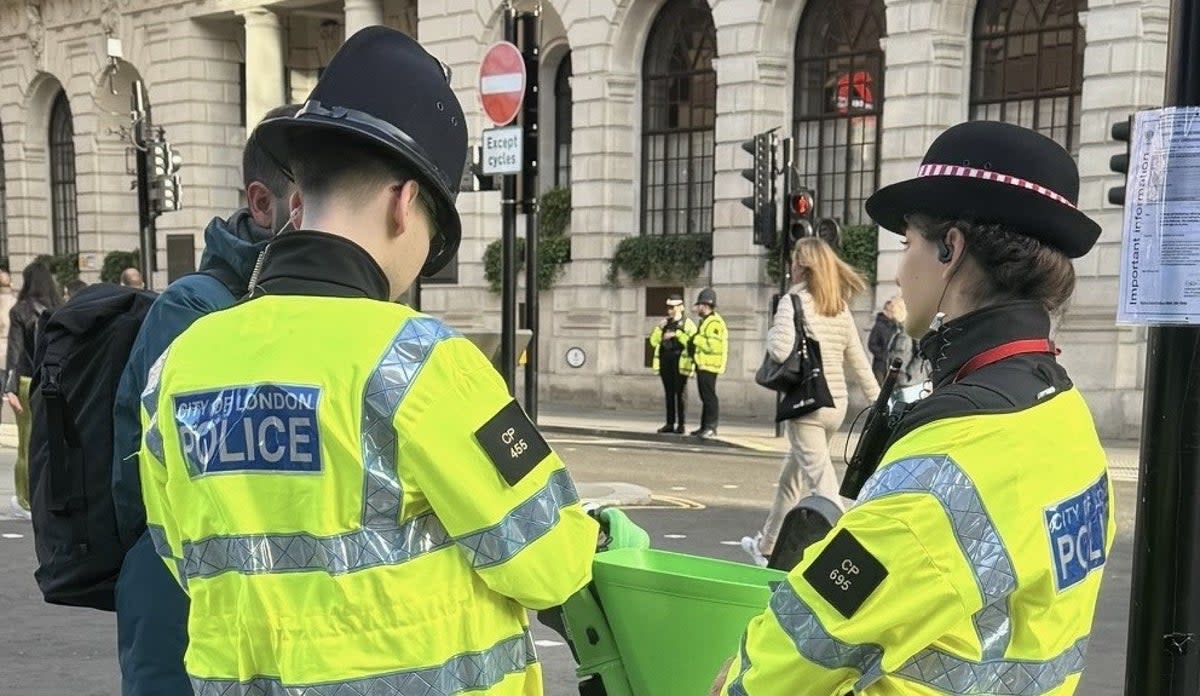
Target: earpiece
column 945, row 251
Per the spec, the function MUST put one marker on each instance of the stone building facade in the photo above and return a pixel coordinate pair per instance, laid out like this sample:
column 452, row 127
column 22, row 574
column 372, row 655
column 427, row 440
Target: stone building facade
column 644, row 105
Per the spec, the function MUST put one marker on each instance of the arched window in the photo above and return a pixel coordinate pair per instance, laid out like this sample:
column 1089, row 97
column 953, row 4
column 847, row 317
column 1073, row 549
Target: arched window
column 679, row 105
column 64, row 213
column 562, row 123
column 839, row 103
column 1028, row 65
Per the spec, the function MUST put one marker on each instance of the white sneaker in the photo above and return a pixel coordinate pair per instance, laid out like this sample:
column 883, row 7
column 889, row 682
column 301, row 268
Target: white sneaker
column 750, row 546
column 19, row 512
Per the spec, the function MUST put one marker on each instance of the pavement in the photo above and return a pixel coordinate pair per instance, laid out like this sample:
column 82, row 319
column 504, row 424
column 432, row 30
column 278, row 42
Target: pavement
column 742, row 434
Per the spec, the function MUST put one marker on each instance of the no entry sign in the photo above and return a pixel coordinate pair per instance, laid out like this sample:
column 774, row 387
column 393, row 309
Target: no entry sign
column 502, row 82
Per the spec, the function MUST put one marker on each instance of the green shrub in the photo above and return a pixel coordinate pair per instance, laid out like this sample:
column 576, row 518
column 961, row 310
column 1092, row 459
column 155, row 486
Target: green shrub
column 64, row 267
column 667, row 258
column 554, row 246
column 117, row 261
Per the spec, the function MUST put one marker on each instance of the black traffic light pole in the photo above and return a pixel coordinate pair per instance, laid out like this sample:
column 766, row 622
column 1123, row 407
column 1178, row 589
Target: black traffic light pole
column 143, row 134
column 1163, row 653
column 530, row 23
column 508, row 251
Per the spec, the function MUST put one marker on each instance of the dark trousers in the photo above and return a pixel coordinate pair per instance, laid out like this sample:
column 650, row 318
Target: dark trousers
column 675, row 392
column 707, row 382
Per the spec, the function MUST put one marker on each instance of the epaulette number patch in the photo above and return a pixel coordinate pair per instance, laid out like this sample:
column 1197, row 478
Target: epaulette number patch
column 512, row 442
column 845, row 573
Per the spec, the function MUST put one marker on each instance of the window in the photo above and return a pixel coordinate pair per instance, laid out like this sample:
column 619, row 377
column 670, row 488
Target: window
column 64, row 212
column 3, row 210
column 838, row 104
column 679, row 102
column 562, row 123
column 1027, row 66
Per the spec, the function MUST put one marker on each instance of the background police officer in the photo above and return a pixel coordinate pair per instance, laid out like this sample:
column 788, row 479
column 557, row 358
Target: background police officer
column 344, row 486
column 672, row 361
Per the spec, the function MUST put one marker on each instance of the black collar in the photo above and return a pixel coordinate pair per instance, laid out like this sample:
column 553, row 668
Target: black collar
column 308, row 262
column 953, row 345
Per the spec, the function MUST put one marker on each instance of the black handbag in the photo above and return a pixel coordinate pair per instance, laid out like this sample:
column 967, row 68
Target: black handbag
column 811, row 391
column 781, row 376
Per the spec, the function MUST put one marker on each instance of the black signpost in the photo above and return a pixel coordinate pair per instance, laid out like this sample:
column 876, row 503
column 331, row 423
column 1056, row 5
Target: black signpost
column 1163, row 651
column 530, row 35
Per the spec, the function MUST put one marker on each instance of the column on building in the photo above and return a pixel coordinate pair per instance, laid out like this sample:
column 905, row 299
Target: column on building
column 752, row 96
column 1123, row 71
column 361, row 14
column 264, row 64
column 926, row 52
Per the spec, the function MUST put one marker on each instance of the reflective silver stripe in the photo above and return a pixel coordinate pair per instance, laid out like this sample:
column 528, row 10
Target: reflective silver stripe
column 737, row 687
column 386, row 388
column 154, row 440
column 342, row 553
column 802, row 625
column 941, row 477
column 158, row 535
column 524, row 525
column 954, row 675
column 462, row 673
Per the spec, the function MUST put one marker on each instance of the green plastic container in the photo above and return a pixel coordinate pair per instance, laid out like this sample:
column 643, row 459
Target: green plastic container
column 677, row 618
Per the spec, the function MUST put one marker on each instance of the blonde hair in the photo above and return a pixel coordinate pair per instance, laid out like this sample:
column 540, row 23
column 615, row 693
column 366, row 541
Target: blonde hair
column 899, row 309
column 831, row 281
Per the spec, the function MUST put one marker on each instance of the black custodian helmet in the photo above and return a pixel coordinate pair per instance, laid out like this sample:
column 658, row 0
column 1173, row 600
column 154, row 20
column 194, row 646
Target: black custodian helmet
column 383, row 89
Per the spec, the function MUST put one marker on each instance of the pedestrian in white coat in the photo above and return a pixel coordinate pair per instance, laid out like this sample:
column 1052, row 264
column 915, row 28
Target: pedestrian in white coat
column 825, row 285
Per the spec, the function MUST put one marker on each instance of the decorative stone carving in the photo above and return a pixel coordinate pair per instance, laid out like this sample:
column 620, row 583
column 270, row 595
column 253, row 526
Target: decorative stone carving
column 621, row 87
column 35, row 30
column 110, row 17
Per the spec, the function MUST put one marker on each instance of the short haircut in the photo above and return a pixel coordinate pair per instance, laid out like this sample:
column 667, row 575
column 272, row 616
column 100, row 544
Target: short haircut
column 326, row 166
column 257, row 165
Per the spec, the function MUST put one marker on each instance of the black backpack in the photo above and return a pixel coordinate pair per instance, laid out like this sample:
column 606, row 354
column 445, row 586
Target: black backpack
column 81, row 353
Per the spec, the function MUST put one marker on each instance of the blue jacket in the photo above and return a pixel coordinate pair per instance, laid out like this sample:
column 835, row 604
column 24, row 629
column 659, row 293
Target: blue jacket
column 151, row 608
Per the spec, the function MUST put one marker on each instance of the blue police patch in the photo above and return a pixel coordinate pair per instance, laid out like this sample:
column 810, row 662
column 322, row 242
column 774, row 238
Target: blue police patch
column 1077, row 528
column 261, row 427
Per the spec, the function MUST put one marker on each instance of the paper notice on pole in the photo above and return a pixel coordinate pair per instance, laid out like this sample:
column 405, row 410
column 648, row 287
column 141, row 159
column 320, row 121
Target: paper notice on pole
column 1160, row 264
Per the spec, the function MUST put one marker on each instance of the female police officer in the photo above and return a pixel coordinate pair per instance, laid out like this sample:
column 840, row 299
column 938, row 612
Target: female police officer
column 972, row 561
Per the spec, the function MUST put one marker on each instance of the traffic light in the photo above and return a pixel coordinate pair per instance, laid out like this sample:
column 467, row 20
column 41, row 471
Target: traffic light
column 762, row 176
column 1119, row 164
column 829, row 230
column 164, row 177
column 800, row 207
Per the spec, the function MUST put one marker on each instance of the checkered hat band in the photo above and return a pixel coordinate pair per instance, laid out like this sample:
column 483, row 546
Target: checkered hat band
column 973, row 173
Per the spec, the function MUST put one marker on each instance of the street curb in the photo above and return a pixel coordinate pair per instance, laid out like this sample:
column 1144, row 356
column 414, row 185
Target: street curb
column 665, row 438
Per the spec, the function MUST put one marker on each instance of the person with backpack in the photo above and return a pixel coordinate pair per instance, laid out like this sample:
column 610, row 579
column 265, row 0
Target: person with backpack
column 151, row 608
column 38, row 294
column 372, row 514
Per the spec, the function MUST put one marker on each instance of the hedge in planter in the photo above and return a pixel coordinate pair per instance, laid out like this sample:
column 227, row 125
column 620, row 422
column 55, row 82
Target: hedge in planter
column 860, row 248
column 668, row 258
column 554, row 246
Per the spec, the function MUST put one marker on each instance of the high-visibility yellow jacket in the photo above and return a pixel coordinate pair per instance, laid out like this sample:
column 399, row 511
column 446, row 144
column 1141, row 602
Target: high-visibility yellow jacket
column 354, row 504
column 971, row 563
column 711, row 344
column 683, row 336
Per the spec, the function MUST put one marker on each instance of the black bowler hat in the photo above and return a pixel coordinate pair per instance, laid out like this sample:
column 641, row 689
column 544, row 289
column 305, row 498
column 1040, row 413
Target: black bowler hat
column 994, row 173
column 382, row 89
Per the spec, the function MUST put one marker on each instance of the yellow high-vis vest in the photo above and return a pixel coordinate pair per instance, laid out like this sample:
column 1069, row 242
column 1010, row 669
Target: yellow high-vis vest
column 354, row 504
column 970, row 565
column 684, row 336
column 711, row 343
